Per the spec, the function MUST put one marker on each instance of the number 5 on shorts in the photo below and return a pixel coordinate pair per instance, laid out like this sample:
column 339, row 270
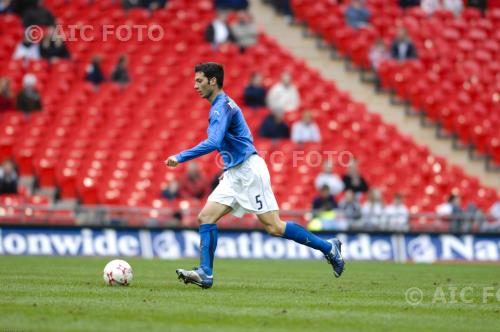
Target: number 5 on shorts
column 258, row 201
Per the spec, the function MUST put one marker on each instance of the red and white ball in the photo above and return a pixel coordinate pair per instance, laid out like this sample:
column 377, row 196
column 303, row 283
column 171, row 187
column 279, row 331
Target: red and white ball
column 118, row 273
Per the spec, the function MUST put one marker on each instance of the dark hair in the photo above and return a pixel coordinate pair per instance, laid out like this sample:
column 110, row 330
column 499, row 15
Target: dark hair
column 211, row 70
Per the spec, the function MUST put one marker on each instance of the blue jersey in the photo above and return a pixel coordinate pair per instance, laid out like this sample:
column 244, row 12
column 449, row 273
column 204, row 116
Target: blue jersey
column 227, row 132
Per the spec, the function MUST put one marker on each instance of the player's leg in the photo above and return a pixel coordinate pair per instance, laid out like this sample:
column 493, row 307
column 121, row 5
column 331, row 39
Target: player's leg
column 207, row 219
column 292, row 231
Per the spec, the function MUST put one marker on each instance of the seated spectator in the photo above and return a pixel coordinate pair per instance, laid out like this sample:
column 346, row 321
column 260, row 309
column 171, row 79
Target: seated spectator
column 38, row 15
column 53, row 47
column 244, row 31
column 353, row 180
column 305, row 130
column 282, row 7
column 378, row 53
column 171, row 191
column 408, row 3
column 402, row 46
column 120, row 73
column 430, row 6
column 494, row 224
column 8, row 178
column 328, row 178
column 26, row 50
column 29, row 99
column 94, row 72
column 193, row 184
column 396, row 214
column 153, row 4
column 349, row 206
column 283, row 96
column 454, row 6
column 357, row 15
column 479, row 4
column 218, row 31
column 324, row 201
column 231, row 4
column 452, row 212
column 372, row 211
column 6, row 95
column 5, row 6
column 255, row 93
column 475, row 218
column 274, row 127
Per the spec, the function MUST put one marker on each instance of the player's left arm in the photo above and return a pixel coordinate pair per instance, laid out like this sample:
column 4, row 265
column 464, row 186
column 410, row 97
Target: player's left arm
column 219, row 122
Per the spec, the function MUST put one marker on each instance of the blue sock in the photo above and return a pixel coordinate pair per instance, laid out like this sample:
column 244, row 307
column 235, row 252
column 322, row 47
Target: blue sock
column 208, row 243
column 300, row 235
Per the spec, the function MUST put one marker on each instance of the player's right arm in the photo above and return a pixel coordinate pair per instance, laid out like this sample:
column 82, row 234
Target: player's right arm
column 219, row 122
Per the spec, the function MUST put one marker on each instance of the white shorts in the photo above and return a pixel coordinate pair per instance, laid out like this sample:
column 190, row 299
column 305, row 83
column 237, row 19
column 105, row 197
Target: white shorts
column 246, row 188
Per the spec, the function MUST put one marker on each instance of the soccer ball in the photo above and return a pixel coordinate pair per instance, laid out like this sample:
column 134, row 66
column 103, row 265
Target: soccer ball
column 118, row 273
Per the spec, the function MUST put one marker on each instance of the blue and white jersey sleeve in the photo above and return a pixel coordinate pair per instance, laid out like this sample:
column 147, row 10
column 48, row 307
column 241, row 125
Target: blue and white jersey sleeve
column 219, row 121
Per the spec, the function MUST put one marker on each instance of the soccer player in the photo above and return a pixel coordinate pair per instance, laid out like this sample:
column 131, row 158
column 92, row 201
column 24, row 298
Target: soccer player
column 245, row 186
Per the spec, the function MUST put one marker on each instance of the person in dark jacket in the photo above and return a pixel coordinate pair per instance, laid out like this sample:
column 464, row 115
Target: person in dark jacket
column 353, row 180
column 53, row 47
column 94, row 72
column 29, row 99
column 255, row 93
column 120, row 73
column 402, row 46
column 274, row 127
column 38, row 15
column 218, row 31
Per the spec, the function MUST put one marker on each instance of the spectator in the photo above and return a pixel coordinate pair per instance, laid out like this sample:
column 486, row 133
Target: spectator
column 353, row 180
column 378, row 53
column 171, row 191
column 231, row 4
column 402, row 46
column 455, row 6
column 53, row 47
column 349, row 206
column 120, row 73
column 408, row 3
column 475, row 218
column 396, row 214
column 283, row 96
column 494, row 225
column 193, row 185
column 282, row 7
column 6, row 95
column 26, row 50
column 305, row 130
column 357, row 15
column 28, row 99
column 8, row 178
column 479, row 4
column 324, row 201
column 430, row 6
column 255, row 93
column 218, row 32
column 274, row 127
column 94, row 72
column 153, row 4
column 38, row 15
column 328, row 178
column 5, row 6
column 457, row 216
column 372, row 210
column 244, row 31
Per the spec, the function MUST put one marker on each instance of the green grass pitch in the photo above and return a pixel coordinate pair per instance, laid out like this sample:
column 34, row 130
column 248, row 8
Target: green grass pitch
column 68, row 294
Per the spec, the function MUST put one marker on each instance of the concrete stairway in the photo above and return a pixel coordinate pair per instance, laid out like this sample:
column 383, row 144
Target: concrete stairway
column 292, row 37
